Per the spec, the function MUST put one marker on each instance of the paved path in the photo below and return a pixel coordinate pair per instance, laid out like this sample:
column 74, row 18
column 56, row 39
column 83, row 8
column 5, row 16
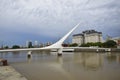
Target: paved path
column 9, row 73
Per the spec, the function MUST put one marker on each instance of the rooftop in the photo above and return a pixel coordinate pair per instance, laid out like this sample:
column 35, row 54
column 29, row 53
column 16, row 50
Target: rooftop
column 78, row 35
column 87, row 32
column 90, row 32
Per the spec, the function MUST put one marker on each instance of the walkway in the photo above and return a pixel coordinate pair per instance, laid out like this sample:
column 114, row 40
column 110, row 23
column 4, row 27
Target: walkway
column 8, row 73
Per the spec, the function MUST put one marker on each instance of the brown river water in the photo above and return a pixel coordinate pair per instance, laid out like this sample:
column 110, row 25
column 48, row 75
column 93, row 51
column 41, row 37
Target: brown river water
column 70, row 66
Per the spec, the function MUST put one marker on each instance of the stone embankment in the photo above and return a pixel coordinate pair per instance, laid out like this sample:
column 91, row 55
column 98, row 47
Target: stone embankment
column 97, row 50
column 9, row 73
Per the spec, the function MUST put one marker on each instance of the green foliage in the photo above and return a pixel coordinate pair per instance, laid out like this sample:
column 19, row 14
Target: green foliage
column 73, row 45
column 99, row 44
column 84, row 45
column 15, row 46
column 6, row 47
column 109, row 44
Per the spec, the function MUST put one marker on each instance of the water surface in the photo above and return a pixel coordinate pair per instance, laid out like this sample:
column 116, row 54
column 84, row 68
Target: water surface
column 70, row 66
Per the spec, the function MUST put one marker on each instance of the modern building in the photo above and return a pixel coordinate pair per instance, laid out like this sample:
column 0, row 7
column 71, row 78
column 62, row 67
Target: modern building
column 87, row 36
column 117, row 40
column 36, row 44
column 29, row 44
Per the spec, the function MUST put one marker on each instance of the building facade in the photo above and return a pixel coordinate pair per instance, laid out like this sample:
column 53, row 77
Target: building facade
column 117, row 40
column 29, row 44
column 87, row 36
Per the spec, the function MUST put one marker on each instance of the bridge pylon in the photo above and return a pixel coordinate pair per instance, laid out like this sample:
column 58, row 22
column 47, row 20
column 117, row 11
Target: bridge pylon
column 58, row 44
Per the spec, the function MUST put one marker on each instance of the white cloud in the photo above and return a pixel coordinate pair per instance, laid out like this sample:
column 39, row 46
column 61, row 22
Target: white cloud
column 52, row 17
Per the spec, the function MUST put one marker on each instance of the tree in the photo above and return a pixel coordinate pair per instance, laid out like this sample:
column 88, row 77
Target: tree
column 15, row 46
column 84, row 45
column 73, row 45
column 6, row 47
column 99, row 44
column 109, row 44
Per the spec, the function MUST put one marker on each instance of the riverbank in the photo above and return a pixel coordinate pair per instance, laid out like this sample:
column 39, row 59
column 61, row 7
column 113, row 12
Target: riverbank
column 96, row 50
column 9, row 73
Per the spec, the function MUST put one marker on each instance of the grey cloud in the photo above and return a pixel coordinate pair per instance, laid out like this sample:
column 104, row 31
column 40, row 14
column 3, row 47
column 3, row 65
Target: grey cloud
column 51, row 17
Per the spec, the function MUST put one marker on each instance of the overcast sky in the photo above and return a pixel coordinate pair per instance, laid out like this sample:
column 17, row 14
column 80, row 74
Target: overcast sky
column 48, row 20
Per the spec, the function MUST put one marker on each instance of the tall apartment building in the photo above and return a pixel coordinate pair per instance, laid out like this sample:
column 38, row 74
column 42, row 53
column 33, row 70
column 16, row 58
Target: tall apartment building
column 87, row 36
column 29, row 44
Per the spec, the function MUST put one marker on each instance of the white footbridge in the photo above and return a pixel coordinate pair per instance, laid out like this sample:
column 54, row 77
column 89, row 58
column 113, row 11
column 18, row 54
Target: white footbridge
column 58, row 45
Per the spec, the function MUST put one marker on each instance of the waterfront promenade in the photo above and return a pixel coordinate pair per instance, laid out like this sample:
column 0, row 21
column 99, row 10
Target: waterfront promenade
column 9, row 73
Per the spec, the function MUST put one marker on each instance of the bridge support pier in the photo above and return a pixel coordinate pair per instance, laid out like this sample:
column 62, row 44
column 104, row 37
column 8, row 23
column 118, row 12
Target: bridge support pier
column 59, row 53
column 29, row 54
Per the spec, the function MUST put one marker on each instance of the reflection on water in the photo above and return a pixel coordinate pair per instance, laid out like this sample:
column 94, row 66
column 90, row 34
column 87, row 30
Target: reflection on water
column 71, row 66
column 113, row 57
column 89, row 61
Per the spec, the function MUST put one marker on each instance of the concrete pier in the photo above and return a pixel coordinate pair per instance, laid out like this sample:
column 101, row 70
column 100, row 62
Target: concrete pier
column 60, row 52
column 9, row 73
